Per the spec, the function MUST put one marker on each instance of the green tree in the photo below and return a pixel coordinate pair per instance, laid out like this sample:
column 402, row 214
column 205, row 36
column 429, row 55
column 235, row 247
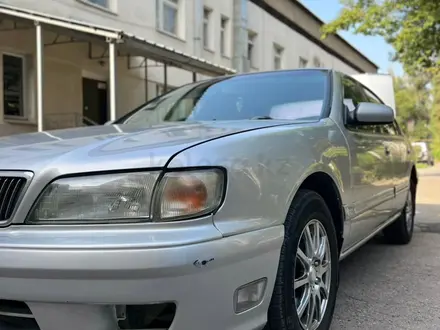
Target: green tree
column 412, row 27
column 435, row 117
column 413, row 105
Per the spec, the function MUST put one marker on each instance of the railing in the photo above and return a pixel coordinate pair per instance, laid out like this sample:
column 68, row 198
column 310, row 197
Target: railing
column 66, row 120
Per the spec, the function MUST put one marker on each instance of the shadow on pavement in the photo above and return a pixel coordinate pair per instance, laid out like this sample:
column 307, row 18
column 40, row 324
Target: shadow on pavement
column 393, row 287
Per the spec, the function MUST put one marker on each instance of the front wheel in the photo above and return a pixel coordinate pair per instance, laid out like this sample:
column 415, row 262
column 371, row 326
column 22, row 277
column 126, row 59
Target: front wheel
column 304, row 296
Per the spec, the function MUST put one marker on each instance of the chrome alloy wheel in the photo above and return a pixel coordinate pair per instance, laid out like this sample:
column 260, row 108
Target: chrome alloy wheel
column 409, row 212
column 312, row 273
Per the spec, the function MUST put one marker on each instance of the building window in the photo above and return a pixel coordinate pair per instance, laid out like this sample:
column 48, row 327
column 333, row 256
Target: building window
column 278, row 57
column 316, row 62
column 108, row 5
column 252, row 37
column 13, row 85
column 168, row 13
column 207, row 27
column 224, row 22
column 101, row 3
column 303, row 62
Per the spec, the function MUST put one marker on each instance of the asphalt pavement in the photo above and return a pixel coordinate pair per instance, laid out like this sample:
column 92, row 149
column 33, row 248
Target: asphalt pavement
column 396, row 287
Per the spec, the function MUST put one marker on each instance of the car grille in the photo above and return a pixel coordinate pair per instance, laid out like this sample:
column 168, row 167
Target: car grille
column 10, row 192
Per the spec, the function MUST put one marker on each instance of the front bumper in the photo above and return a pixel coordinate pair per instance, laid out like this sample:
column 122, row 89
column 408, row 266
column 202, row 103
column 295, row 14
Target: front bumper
column 76, row 286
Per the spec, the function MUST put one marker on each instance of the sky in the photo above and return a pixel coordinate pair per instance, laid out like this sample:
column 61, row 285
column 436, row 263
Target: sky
column 375, row 48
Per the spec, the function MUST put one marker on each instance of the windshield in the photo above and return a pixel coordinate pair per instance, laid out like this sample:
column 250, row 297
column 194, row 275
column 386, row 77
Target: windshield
column 284, row 95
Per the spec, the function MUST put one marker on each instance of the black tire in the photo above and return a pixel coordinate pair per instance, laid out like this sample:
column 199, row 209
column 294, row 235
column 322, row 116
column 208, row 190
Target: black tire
column 282, row 314
column 400, row 232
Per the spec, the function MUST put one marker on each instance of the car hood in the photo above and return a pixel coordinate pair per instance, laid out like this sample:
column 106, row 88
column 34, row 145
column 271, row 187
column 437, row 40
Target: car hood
column 111, row 147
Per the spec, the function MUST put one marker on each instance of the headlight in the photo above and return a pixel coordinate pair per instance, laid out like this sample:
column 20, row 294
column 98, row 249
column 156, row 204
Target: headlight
column 188, row 194
column 96, row 199
column 128, row 197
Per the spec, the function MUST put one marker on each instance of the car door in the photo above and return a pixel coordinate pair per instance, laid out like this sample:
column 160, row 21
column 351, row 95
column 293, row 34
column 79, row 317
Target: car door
column 402, row 166
column 399, row 154
column 372, row 186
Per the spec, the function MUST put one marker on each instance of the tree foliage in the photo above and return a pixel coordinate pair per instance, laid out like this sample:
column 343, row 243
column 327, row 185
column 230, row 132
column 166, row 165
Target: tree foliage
column 412, row 27
column 435, row 117
column 413, row 104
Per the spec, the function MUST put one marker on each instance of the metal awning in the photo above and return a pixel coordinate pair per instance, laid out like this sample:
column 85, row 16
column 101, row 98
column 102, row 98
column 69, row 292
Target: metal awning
column 119, row 43
column 129, row 43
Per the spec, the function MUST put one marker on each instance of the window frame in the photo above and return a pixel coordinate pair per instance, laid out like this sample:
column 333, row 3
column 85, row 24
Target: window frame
column 207, row 28
column 251, row 44
column 278, row 52
column 316, row 62
column 23, row 96
column 161, row 19
column 302, row 60
column 224, row 35
column 111, row 6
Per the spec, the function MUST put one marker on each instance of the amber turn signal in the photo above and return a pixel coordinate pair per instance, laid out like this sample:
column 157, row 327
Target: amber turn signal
column 189, row 194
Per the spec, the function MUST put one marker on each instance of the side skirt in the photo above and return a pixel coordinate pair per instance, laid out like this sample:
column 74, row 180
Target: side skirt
column 356, row 246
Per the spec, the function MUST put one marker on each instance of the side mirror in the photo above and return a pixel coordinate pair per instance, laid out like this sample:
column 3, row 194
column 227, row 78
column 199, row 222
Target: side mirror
column 372, row 113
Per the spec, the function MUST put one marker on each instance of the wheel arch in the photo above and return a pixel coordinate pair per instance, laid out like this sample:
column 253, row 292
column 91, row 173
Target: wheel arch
column 324, row 185
column 414, row 180
column 414, row 175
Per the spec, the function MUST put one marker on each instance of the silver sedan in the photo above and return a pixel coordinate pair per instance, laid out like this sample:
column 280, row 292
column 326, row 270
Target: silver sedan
column 223, row 204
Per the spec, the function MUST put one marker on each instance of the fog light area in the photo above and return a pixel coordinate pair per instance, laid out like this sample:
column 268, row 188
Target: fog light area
column 249, row 295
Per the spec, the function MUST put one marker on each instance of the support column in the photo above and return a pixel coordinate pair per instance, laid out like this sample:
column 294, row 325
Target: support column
column 40, row 61
column 146, row 78
column 112, row 64
column 194, row 76
column 165, row 78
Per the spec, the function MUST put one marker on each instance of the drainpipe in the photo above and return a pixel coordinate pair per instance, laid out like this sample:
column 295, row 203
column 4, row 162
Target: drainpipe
column 198, row 27
column 240, row 36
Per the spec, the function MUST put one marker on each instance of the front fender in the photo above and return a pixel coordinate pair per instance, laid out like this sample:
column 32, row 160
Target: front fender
column 266, row 168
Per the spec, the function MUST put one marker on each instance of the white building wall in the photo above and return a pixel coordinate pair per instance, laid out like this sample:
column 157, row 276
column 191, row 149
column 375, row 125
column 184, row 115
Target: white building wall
column 139, row 17
column 65, row 65
column 269, row 31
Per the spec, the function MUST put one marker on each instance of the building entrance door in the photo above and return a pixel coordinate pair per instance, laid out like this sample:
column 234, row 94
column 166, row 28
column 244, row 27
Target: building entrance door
column 95, row 109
